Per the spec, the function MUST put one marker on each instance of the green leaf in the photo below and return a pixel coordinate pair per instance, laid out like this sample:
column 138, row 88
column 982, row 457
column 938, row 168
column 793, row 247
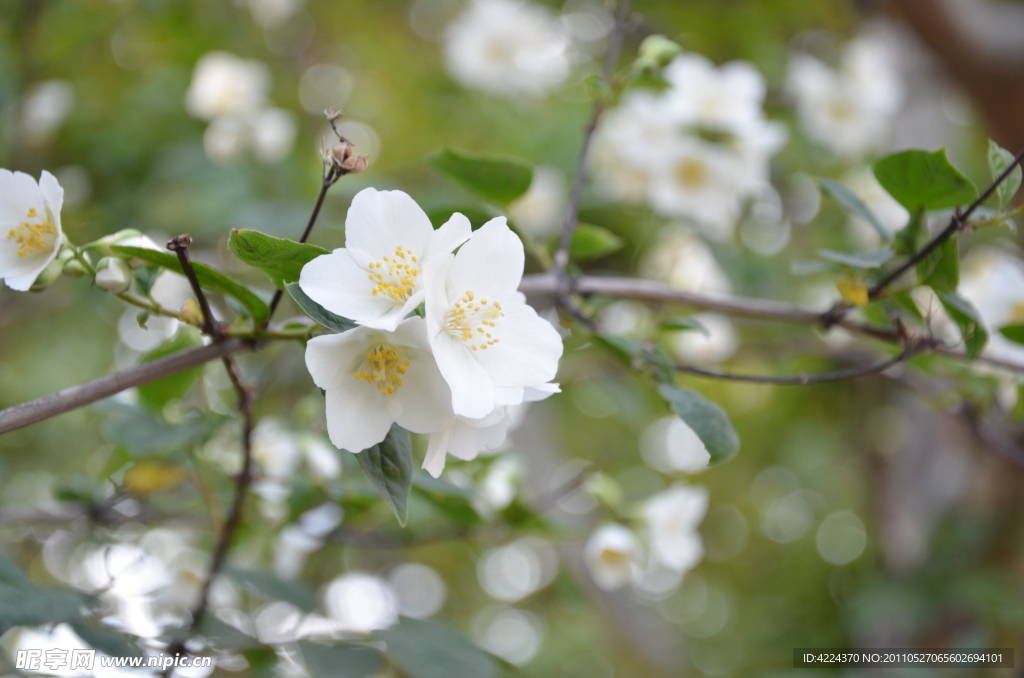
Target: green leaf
column 860, row 260
column 317, row 312
column 855, row 205
column 105, row 639
column 912, row 238
column 1014, row 333
column 209, row 278
column 593, row 242
column 998, row 160
column 683, row 324
column 904, row 302
column 967, row 318
column 388, row 465
column 940, row 270
column 626, row 350
column 924, row 180
column 11, row 574
column 498, row 180
column 430, row 649
column 341, row 661
column 142, row 434
column 708, row 421
column 38, row 605
column 157, row 394
column 279, row 258
column 269, row 586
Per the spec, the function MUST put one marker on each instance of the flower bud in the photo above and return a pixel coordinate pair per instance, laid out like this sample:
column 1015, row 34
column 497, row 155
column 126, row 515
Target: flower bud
column 48, row 276
column 343, row 158
column 657, row 51
column 113, row 275
column 103, row 244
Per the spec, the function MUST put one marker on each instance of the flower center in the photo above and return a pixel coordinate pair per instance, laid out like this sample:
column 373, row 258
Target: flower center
column 395, row 277
column 473, row 321
column 691, row 173
column 613, row 557
column 1017, row 314
column 383, row 367
column 33, row 237
column 841, row 110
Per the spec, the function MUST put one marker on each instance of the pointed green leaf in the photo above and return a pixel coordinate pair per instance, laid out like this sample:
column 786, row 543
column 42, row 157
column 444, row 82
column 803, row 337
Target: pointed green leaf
column 708, row 421
column 683, row 324
column 279, row 258
column 967, row 318
column 998, row 160
column 626, row 350
column 388, row 465
column 848, row 199
column 38, row 605
column 861, row 260
column 940, row 270
column 11, row 574
column 593, row 242
column 273, row 588
column 451, row 500
column 430, row 649
column 317, row 312
column 912, row 238
column 498, row 180
column 924, row 180
column 105, row 639
column 209, row 278
column 1014, row 333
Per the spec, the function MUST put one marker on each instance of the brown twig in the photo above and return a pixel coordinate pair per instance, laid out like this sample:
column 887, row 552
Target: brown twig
column 956, row 223
column 561, row 258
column 243, row 480
column 799, row 379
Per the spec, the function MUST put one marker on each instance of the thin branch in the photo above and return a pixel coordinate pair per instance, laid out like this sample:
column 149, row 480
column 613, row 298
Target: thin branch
column 81, row 395
column 802, row 379
column 561, row 258
column 957, row 223
column 179, row 245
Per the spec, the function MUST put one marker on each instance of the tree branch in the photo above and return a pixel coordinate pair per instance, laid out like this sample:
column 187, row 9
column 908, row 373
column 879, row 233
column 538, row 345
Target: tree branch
column 802, row 379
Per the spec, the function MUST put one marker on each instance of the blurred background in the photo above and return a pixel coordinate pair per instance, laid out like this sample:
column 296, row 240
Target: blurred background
column 866, row 513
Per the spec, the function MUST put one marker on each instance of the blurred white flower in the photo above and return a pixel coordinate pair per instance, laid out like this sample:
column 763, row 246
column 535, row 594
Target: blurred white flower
column 361, row 603
column 508, row 47
column 670, row 445
column 672, row 519
column 609, row 554
column 30, row 232
column 291, row 550
column 627, row 318
column 271, row 13
column 994, row 282
column 224, row 85
column 694, row 346
column 538, row 213
column 684, row 261
column 276, row 449
column 420, row 590
column 847, row 110
column 498, row 488
column 516, row 570
column 273, row 133
column 46, row 107
column 225, row 139
column 724, row 99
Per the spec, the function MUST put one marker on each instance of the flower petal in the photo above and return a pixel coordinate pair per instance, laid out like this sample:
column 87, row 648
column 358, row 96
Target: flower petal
column 528, row 352
column 490, row 264
column 424, row 394
column 380, row 221
column 338, row 284
column 452, row 233
column 332, row 359
column 472, row 392
column 356, row 418
column 53, row 197
column 436, row 456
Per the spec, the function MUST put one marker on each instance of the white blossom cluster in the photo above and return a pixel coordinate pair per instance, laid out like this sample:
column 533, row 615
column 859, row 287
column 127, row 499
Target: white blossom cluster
column 616, row 557
column 848, row 109
column 696, row 150
column 451, row 372
column 231, row 93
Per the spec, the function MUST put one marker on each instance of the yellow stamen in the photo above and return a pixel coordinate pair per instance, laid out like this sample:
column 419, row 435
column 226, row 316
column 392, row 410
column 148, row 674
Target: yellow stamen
column 382, row 366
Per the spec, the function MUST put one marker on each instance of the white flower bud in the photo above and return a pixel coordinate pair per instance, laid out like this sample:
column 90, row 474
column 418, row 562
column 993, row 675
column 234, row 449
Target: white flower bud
column 113, row 275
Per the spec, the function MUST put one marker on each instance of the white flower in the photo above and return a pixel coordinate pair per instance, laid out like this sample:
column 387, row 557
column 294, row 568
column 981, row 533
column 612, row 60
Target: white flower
column 377, row 278
column 46, row 107
column 672, row 518
column 273, row 134
column 465, row 438
column 483, row 334
column 361, row 602
column 30, row 233
column 374, row 379
column 498, row 488
column 994, row 282
column 698, row 180
column 276, row 449
column 226, row 85
column 847, row 110
column 272, row 13
column 726, row 98
column 508, row 47
column 684, row 261
column 113, row 275
column 609, row 554
column 719, row 344
column 670, row 445
column 538, row 212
